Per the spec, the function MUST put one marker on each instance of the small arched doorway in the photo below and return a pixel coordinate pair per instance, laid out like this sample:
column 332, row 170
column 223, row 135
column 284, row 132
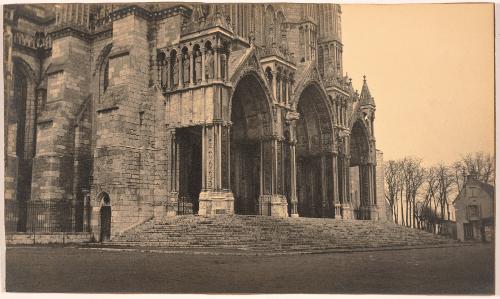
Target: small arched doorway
column 105, row 217
column 252, row 121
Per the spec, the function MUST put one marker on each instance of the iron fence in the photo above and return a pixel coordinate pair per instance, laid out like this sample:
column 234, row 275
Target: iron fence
column 11, row 216
column 184, row 206
column 47, row 216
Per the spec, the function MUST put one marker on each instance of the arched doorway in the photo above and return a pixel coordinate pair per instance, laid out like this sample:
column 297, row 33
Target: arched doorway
column 190, row 169
column 360, row 168
column 252, row 121
column 105, row 217
column 314, row 155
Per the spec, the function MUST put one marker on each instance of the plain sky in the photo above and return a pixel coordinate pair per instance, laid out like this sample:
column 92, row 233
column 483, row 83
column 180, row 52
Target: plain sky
column 430, row 68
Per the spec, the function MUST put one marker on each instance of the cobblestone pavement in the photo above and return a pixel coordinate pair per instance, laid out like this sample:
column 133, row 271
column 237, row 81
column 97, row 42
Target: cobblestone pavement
column 454, row 270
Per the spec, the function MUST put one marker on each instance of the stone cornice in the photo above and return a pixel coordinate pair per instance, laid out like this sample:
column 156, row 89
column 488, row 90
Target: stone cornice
column 144, row 13
column 70, row 30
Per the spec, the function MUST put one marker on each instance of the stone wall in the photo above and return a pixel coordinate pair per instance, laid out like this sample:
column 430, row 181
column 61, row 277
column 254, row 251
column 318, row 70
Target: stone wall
column 125, row 151
column 384, row 210
column 47, row 238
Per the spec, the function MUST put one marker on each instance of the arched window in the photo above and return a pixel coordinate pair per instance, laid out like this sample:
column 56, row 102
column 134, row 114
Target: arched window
column 19, row 101
column 280, row 30
column 105, row 75
column 270, row 25
column 162, row 67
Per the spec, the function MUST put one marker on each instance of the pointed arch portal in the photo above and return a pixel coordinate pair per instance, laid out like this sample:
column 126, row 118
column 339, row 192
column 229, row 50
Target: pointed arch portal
column 251, row 123
column 362, row 172
column 315, row 176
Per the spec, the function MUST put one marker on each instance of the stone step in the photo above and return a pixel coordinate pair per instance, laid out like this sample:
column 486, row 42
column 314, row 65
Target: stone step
column 262, row 233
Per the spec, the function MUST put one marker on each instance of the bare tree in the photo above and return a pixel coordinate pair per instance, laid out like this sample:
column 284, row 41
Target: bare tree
column 413, row 176
column 481, row 165
column 393, row 185
column 445, row 180
column 427, row 214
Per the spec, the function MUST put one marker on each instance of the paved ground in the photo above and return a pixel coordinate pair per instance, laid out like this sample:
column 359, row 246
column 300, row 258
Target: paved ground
column 458, row 270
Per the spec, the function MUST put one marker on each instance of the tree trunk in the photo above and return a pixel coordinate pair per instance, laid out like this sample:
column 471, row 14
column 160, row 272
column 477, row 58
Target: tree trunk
column 402, row 212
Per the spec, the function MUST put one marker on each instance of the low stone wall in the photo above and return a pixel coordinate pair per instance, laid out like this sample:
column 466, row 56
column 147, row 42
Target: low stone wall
column 46, row 238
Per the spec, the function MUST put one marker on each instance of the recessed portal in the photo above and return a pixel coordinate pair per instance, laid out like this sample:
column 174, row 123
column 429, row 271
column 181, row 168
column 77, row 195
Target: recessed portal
column 314, row 161
column 190, row 169
column 359, row 168
column 245, row 176
column 251, row 118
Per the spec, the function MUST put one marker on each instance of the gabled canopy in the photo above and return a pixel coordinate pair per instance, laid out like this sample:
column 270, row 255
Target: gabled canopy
column 366, row 97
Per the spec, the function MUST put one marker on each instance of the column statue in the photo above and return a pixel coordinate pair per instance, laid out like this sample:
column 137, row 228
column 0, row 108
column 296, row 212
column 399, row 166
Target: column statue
column 185, row 65
column 223, row 63
column 175, row 71
column 197, row 67
column 209, row 68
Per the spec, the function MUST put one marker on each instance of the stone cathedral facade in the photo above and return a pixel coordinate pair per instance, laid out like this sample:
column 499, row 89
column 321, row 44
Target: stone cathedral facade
column 154, row 110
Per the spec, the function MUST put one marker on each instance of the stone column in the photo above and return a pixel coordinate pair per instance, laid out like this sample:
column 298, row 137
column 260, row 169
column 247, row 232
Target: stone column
column 166, row 71
column 324, row 199
column 180, row 70
column 173, row 174
column 226, row 65
column 291, row 120
column 214, row 198
column 203, row 75
column 86, row 211
column 278, row 88
column 226, row 156
column 345, row 187
column 286, row 99
column 335, row 178
column 191, row 68
column 217, row 63
column 271, row 202
column 293, row 184
column 372, row 182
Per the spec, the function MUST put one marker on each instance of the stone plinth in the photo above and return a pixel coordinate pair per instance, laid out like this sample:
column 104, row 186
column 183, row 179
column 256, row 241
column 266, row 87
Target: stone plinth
column 273, row 205
column 216, row 202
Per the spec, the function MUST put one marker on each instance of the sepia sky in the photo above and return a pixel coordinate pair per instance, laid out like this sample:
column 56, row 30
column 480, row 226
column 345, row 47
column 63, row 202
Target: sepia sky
column 430, row 68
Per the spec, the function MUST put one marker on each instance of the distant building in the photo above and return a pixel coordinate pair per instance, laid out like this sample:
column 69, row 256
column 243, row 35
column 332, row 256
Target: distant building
column 474, row 211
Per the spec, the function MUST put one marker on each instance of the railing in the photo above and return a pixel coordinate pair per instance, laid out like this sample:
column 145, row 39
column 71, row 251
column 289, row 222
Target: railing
column 11, row 216
column 47, row 216
column 184, row 206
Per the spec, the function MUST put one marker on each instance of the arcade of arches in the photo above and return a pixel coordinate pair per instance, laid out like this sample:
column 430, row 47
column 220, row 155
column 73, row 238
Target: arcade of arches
column 250, row 165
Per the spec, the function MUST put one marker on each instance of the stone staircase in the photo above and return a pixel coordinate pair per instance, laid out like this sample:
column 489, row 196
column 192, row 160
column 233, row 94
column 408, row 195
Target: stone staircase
column 261, row 233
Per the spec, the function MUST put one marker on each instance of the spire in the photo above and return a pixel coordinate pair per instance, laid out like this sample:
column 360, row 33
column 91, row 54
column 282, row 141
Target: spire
column 366, row 97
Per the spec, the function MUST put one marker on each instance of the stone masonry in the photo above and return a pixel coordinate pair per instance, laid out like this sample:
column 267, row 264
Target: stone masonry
column 120, row 113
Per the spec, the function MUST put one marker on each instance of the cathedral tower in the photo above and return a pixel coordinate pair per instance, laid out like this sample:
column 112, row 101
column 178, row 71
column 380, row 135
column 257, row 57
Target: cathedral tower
column 330, row 42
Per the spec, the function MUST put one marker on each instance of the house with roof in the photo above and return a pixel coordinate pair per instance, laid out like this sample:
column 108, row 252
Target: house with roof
column 474, row 211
